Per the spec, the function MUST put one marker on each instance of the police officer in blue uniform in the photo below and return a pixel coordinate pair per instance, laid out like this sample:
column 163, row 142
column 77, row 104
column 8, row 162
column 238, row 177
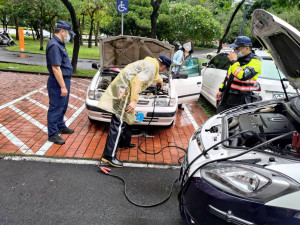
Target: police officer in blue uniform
column 60, row 72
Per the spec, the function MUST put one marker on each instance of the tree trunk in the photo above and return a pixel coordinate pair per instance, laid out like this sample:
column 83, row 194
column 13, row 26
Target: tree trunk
column 154, row 16
column 81, row 30
column 96, row 33
column 91, row 32
column 17, row 27
column 32, row 34
column 41, row 38
column 76, row 31
column 229, row 24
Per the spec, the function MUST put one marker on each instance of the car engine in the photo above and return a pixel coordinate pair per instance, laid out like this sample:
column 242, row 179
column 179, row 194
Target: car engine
column 107, row 76
column 265, row 124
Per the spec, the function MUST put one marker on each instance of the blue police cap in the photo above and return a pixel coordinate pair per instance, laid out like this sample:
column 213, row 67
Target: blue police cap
column 165, row 60
column 64, row 25
column 241, row 41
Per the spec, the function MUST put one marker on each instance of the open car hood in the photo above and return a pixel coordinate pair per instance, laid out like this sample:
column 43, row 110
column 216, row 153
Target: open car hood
column 118, row 51
column 282, row 41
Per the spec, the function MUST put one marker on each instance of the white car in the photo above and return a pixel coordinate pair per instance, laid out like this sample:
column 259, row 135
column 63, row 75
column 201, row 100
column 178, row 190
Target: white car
column 179, row 88
column 214, row 53
column 269, row 84
column 242, row 165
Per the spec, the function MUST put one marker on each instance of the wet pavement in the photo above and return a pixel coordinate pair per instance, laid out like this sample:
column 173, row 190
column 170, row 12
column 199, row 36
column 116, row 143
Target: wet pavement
column 37, row 59
column 23, row 119
column 50, row 193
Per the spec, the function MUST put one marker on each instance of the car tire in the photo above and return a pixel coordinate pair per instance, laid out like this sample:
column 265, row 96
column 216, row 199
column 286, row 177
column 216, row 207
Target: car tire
column 180, row 106
column 208, row 56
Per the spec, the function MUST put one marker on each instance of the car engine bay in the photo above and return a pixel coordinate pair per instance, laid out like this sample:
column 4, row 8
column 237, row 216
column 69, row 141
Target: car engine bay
column 266, row 123
column 107, row 76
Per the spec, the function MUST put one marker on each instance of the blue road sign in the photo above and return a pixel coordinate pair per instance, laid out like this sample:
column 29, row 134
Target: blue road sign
column 122, row 6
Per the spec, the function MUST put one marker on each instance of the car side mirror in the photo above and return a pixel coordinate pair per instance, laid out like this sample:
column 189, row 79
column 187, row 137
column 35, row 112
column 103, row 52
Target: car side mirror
column 95, row 66
column 182, row 76
column 204, row 64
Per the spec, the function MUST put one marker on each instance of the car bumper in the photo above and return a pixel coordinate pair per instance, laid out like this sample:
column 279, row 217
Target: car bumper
column 204, row 204
column 163, row 116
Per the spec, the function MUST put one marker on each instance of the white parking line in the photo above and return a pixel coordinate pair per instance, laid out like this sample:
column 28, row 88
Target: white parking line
column 191, row 118
column 74, row 96
column 42, row 106
column 19, row 99
column 78, row 89
column 29, row 118
column 16, row 141
column 81, row 83
column 48, row 144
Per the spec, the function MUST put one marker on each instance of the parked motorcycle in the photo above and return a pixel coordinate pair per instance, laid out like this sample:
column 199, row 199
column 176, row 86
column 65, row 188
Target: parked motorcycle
column 6, row 39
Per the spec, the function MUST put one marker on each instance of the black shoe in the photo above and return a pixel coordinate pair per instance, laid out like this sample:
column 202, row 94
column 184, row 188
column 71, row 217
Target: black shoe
column 66, row 131
column 112, row 161
column 56, row 139
column 127, row 146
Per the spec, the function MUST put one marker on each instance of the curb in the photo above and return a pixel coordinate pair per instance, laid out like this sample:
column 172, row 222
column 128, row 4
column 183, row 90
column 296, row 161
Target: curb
column 42, row 73
column 84, row 162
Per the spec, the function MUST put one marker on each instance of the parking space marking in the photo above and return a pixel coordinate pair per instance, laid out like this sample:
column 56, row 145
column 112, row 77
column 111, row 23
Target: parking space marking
column 78, row 89
column 29, row 118
column 81, row 83
column 74, row 96
column 16, row 141
column 70, row 105
column 43, row 150
column 190, row 116
column 40, row 105
column 19, row 99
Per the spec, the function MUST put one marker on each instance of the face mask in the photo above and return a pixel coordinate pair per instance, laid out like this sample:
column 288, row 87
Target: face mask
column 187, row 47
column 240, row 54
column 68, row 38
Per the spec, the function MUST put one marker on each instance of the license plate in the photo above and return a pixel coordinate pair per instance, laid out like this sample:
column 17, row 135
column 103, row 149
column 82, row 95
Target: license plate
column 278, row 95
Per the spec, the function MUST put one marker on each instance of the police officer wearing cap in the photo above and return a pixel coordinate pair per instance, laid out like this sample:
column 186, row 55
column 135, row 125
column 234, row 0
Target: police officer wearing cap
column 121, row 97
column 241, row 76
column 58, row 85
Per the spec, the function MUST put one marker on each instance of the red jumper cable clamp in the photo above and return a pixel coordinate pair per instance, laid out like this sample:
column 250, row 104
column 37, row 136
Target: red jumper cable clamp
column 105, row 170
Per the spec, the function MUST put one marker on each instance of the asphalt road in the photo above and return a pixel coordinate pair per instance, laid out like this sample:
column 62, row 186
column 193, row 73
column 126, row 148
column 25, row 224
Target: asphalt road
column 38, row 59
column 49, row 193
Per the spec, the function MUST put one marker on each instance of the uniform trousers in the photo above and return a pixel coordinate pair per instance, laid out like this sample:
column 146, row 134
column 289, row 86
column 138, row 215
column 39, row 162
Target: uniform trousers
column 119, row 134
column 57, row 105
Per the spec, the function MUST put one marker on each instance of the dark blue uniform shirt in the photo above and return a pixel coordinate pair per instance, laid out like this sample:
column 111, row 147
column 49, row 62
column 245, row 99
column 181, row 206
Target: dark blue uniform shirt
column 57, row 55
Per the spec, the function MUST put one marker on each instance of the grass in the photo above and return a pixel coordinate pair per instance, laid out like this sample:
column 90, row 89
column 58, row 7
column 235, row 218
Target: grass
column 33, row 46
column 41, row 69
column 208, row 109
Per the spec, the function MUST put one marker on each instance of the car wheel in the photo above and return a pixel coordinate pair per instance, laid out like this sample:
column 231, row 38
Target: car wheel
column 180, row 106
column 208, row 56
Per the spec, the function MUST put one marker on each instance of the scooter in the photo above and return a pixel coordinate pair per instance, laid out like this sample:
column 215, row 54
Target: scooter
column 5, row 39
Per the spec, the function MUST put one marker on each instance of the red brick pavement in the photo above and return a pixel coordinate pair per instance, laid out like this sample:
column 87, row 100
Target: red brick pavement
column 89, row 138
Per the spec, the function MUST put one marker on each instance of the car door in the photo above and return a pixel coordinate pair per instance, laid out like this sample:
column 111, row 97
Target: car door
column 188, row 89
column 213, row 75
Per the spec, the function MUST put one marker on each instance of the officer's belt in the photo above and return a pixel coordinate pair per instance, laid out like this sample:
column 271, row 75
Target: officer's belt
column 65, row 77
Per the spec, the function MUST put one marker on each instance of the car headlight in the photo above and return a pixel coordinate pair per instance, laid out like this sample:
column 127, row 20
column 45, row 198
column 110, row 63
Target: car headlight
column 94, row 95
column 162, row 102
column 249, row 182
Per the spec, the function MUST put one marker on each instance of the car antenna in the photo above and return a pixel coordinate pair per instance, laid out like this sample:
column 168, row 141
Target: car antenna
column 282, row 84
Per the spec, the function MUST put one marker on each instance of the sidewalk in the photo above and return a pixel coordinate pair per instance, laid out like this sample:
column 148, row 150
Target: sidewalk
column 23, row 120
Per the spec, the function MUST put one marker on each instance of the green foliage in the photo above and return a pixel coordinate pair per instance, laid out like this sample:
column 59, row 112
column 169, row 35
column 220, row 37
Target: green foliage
column 192, row 22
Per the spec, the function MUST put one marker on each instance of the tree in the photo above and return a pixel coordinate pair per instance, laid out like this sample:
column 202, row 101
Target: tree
column 154, row 16
column 228, row 25
column 191, row 22
column 71, row 10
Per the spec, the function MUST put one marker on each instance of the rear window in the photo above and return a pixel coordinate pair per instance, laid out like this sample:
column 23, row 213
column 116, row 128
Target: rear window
column 269, row 71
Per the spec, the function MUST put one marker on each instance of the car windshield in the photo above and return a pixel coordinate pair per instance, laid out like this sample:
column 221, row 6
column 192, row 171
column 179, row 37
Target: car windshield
column 269, row 71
